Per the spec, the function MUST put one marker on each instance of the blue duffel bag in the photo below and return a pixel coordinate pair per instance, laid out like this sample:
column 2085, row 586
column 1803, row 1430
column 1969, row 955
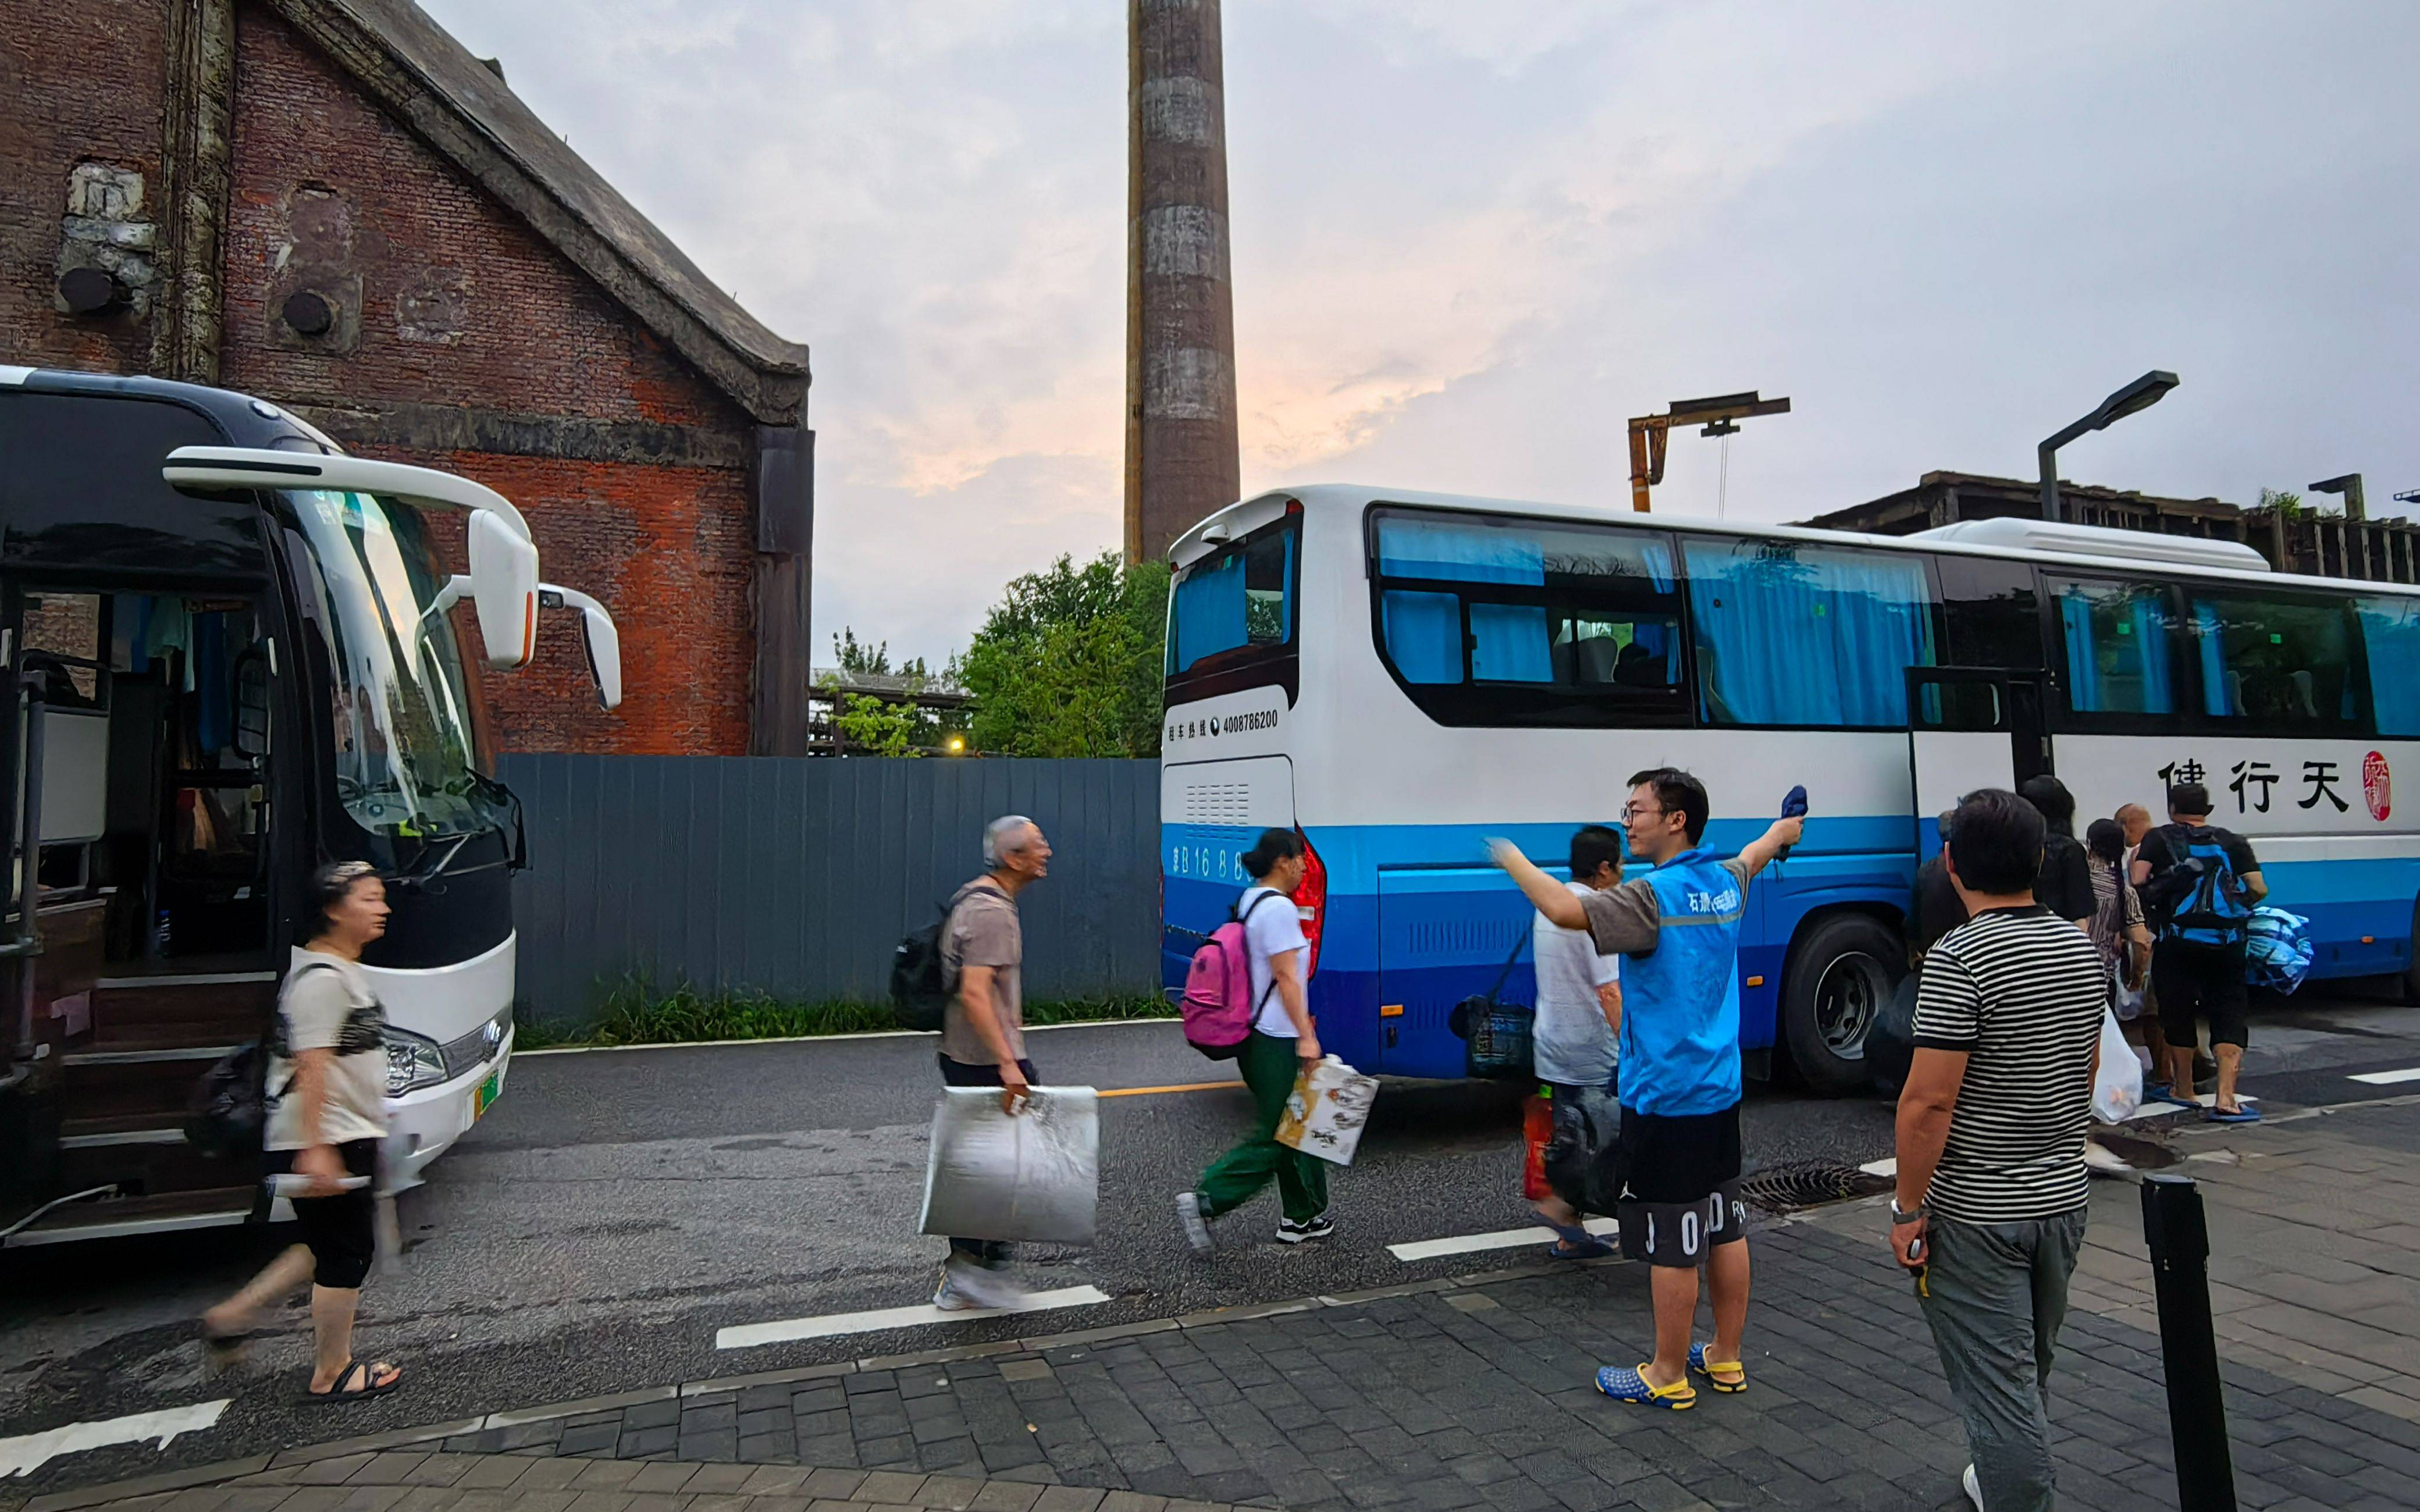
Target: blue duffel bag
column 2276, row 949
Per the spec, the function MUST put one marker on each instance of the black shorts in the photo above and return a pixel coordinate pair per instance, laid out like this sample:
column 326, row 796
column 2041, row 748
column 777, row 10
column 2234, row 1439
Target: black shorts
column 1681, row 1233
column 2191, row 981
column 342, row 1230
column 1682, row 1158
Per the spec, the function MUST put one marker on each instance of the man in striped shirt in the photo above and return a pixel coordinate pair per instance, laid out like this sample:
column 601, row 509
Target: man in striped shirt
column 1992, row 1183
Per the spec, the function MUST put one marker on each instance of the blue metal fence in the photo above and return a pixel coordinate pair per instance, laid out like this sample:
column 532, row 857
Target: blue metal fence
column 796, row 876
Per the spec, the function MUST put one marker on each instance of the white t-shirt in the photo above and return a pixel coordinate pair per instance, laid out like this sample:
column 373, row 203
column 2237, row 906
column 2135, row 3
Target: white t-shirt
column 1274, row 929
column 1570, row 1039
column 326, row 1004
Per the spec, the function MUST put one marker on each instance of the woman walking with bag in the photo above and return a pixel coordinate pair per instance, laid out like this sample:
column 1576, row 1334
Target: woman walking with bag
column 2124, row 940
column 327, row 1114
column 1283, row 1041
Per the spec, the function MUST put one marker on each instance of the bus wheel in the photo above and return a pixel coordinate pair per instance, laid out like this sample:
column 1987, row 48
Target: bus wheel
column 2412, row 958
column 1841, row 977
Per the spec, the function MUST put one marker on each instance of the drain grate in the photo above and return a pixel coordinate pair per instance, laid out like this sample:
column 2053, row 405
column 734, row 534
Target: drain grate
column 1796, row 1184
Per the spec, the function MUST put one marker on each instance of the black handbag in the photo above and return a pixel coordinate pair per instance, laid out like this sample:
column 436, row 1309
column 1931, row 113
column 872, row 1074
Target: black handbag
column 1496, row 1034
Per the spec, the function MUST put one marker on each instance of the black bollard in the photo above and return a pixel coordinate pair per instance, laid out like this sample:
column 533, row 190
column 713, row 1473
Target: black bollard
column 2180, row 1241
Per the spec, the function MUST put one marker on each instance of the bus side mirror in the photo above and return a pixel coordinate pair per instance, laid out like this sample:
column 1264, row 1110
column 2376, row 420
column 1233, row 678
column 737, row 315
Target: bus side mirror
column 503, row 588
column 603, row 641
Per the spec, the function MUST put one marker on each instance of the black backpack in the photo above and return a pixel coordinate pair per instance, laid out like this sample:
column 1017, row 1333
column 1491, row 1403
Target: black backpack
column 920, row 988
column 227, row 1116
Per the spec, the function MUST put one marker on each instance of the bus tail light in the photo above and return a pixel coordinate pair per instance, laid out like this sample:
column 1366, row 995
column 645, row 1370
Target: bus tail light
column 1311, row 901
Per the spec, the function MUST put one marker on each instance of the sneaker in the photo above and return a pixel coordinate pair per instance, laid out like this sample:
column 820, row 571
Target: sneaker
column 969, row 1286
column 1194, row 1222
column 1974, row 1487
column 1290, row 1232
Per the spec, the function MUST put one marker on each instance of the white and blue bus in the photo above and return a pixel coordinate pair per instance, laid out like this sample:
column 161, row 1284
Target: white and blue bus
column 1397, row 676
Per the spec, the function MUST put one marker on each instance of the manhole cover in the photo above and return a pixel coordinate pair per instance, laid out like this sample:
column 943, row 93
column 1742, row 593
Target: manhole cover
column 1795, row 1184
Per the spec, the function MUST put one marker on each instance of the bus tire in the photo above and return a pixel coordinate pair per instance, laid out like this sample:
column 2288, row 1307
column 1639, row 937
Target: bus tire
column 2412, row 958
column 1842, row 972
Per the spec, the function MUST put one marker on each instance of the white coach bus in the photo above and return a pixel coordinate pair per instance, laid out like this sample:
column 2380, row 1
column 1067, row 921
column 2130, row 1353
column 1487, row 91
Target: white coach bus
column 1398, row 675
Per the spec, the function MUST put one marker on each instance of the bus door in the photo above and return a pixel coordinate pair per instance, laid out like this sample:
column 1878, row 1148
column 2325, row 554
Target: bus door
column 29, row 1070
column 1968, row 727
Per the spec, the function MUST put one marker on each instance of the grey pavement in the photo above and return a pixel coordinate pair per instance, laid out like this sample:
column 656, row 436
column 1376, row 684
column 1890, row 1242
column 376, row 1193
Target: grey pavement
column 1475, row 1394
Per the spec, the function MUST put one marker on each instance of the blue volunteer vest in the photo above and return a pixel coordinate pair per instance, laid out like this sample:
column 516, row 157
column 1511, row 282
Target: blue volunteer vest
column 1680, row 1016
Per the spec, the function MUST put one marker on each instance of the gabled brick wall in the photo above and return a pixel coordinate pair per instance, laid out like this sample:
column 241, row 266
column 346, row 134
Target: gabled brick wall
column 438, row 326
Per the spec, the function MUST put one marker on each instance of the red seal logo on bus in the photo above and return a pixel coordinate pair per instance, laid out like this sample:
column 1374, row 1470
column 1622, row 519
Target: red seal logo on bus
column 2377, row 787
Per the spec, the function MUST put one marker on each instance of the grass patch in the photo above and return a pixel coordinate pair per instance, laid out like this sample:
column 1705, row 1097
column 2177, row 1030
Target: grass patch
column 636, row 1013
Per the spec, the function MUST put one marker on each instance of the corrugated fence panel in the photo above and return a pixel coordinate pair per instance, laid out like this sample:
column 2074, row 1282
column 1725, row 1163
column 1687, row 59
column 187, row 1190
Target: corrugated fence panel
column 796, row 876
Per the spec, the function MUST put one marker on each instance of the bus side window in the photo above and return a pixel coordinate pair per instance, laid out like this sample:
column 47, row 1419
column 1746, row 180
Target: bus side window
column 2274, row 662
column 1991, row 613
column 2120, row 644
column 2390, row 634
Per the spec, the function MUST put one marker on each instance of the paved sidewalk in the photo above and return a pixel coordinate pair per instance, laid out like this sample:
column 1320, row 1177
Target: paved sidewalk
column 1476, row 1394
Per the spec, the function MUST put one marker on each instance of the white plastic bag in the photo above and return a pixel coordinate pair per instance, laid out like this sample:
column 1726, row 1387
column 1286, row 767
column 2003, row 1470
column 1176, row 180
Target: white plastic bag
column 1034, row 1175
column 2118, row 1086
column 1324, row 1112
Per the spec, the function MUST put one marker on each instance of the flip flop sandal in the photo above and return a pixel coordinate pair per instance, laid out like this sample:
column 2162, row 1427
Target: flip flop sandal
column 2240, row 1116
column 1632, row 1386
column 1733, row 1377
column 1572, row 1242
column 344, row 1390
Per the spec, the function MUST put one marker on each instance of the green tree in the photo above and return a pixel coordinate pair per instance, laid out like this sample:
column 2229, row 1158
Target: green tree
column 869, row 726
column 1068, row 664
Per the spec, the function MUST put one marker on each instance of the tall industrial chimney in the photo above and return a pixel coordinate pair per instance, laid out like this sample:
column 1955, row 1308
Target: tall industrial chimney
column 1182, row 461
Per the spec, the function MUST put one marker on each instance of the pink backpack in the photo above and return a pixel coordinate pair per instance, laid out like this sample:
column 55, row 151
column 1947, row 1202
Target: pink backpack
column 1218, row 1006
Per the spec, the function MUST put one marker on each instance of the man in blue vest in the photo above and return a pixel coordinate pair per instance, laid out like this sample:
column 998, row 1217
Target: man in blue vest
column 1678, row 925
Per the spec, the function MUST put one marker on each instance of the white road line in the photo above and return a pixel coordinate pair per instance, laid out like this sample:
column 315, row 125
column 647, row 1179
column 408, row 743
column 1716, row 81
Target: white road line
column 749, row 1336
column 2157, row 1110
column 1507, row 1238
column 1887, row 1165
column 2409, row 1073
column 34, row 1450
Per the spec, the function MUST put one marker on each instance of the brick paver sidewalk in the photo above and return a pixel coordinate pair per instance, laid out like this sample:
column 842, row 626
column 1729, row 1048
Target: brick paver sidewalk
column 1475, row 1394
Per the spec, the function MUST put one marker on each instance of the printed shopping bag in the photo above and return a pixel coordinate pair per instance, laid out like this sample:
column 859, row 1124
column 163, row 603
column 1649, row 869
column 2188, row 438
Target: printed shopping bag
column 1324, row 1112
column 2118, row 1086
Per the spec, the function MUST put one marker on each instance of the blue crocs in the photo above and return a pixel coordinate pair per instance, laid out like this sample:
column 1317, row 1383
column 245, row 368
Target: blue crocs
column 1632, row 1386
column 1729, row 1377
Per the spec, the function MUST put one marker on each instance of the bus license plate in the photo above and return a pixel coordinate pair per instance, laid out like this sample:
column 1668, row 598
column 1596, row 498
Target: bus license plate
column 489, row 1091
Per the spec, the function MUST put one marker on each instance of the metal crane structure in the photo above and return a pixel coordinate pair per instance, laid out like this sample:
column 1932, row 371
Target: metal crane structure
column 1720, row 416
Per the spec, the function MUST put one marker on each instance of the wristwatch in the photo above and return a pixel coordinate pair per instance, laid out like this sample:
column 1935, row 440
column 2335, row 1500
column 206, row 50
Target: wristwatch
column 1898, row 1218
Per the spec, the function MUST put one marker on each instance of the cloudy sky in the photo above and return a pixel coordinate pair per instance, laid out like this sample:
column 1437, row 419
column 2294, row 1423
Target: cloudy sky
column 1471, row 239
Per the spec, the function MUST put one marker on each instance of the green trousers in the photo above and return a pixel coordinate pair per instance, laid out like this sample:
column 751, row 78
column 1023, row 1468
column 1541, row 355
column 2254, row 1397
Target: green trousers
column 1268, row 1063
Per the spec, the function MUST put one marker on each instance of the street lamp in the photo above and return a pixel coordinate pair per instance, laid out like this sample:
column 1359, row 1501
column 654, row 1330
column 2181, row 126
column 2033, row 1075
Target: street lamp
column 2141, row 394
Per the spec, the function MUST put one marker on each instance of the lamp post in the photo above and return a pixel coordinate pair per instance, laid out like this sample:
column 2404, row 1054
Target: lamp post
column 2141, row 394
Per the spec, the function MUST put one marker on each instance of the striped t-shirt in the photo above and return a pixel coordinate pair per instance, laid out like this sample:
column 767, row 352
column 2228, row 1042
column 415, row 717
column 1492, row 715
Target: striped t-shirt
column 2020, row 991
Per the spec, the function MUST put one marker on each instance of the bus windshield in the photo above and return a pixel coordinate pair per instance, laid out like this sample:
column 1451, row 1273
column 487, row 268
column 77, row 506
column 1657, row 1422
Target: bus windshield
column 407, row 762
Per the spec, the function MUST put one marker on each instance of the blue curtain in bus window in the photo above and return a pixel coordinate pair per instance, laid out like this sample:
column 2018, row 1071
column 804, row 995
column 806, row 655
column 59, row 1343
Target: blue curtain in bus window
column 1509, row 644
column 2221, row 694
column 1806, row 636
column 1424, row 636
column 2391, row 630
column 2118, row 651
column 1459, row 552
column 1209, row 614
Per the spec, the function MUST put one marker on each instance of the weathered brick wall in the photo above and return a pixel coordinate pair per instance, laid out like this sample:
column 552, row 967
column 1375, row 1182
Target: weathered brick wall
column 460, row 303
column 440, row 296
column 79, row 83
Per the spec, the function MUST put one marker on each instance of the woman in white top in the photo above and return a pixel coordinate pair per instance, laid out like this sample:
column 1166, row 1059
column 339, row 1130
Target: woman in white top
column 326, row 1087
column 1282, row 1040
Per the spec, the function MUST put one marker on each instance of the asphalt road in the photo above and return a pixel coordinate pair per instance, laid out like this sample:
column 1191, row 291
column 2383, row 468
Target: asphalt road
column 616, row 1209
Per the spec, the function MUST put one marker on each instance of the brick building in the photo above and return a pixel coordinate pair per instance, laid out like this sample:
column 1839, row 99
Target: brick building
column 333, row 205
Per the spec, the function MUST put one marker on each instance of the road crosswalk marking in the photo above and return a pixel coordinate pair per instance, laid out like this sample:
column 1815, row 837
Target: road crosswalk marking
column 2409, row 1073
column 1507, row 1238
column 34, row 1450
column 785, row 1330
